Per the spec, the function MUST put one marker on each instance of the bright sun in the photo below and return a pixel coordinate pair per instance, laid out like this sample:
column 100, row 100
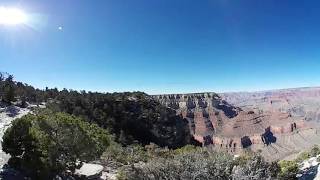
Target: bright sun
column 12, row 16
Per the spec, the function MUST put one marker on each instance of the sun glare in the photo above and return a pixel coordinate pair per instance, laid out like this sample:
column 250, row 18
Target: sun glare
column 12, row 16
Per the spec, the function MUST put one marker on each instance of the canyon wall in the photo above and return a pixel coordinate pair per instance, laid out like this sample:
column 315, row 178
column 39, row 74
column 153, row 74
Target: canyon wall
column 213, row 121
column 298, row 102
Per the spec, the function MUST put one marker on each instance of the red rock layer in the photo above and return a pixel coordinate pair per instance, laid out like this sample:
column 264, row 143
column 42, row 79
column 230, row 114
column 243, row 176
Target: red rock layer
column 214, row 121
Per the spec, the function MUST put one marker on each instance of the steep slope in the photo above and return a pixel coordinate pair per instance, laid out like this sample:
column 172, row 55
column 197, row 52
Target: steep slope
column 205, row 112
column 272, row 128
column 298, row 102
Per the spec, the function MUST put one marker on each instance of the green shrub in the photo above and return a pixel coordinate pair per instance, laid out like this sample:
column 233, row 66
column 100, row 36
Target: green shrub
column 191, row 162
column 49, row 143
column 199, row 164
column 155, row 151
column 125, row 155
column 121, row 175
column 254, row 167
column 315, row 151
column 185, row 149
column 303, row 156
column 288, row 170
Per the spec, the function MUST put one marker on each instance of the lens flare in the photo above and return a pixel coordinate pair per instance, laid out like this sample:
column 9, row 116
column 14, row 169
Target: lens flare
column 12, row 16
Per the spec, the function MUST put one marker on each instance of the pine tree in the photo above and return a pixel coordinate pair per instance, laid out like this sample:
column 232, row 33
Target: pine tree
column 9, row 90
column 1, row 85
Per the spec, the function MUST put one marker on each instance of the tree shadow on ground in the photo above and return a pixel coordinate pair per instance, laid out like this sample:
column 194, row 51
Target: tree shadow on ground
column 310, row 174
column 12, row 111
column 10, row 174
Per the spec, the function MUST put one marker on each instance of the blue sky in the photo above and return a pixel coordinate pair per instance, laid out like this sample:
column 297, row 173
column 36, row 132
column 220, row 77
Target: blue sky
column 164, row 46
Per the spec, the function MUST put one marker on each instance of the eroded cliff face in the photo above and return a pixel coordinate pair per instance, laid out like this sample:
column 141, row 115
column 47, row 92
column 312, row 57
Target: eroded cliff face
column 205, row 112
column 212, row 120
column 298, row 102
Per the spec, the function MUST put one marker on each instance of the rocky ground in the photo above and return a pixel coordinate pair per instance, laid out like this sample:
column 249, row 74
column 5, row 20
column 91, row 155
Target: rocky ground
column 310, row 169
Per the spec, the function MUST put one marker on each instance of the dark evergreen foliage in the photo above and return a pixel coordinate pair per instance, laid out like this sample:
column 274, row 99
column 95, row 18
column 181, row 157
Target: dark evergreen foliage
column 47, row 143
column 130, row 116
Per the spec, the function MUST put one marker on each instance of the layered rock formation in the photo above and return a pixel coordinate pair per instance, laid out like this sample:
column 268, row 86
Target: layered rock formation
column 233, row 127
column 205, row 112
column 298, row 102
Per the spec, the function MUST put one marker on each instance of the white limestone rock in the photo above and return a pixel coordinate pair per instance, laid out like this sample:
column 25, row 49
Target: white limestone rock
column 90, row 171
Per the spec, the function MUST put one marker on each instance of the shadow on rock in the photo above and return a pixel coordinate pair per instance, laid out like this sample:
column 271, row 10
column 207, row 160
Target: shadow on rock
column 12, row 111
column 310, row 174
column 246, row 141
column 229, row 110
column 267, row 137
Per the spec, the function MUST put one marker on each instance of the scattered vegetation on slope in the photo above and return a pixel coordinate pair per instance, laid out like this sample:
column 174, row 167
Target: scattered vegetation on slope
column 130, row 117
column 77, row 126
column 307, row 154
column 191, row 162
column 289, row 169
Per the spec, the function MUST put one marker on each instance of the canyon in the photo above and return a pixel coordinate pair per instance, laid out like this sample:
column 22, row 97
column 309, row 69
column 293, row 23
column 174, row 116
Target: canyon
column 278, row 123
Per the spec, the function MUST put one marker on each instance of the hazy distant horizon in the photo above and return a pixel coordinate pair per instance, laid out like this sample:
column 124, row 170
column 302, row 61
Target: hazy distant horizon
column 174, row 92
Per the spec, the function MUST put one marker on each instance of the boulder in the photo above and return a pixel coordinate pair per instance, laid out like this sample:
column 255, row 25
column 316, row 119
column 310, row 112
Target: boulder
column 90, row 171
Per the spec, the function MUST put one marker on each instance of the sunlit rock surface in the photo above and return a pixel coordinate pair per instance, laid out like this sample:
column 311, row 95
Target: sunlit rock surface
column 279, row 123
column 90, row 171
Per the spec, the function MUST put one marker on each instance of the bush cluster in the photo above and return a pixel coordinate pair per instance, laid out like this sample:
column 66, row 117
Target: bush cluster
column 78, row 126
column 47, row 143
column 288, row 170
column 201, row 163
column 315, row 150
column 129, row 116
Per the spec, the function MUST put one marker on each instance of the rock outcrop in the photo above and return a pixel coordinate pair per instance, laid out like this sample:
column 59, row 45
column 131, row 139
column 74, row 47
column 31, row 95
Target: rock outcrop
column 90, row 171
column 205, row 112
column 298, row 102
column 213, row 120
